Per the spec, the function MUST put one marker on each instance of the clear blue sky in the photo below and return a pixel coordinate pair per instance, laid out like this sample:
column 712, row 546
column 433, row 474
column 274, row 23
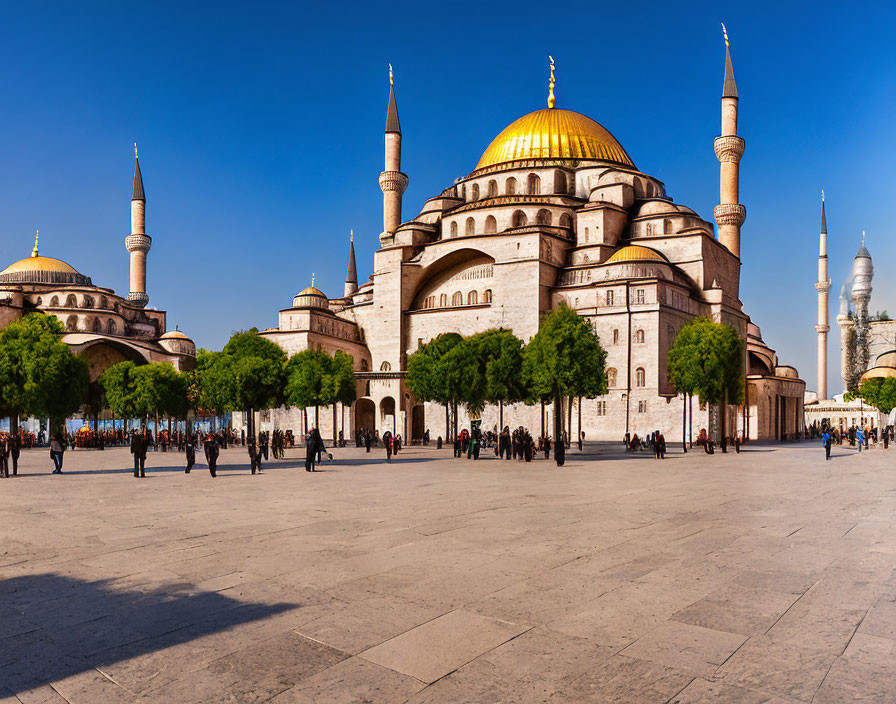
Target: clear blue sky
column 261, row 128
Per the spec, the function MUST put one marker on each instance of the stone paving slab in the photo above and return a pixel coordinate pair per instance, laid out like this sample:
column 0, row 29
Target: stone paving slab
column 767, row 577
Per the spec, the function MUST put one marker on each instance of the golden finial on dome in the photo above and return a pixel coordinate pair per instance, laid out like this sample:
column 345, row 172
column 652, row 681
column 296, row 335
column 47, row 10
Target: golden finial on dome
column 822, row 195
column 36, row 236
column 351, row 235
column 725, row 34
column 312, row 279
column 390, row 75
column 135, row 151
column 551, row 99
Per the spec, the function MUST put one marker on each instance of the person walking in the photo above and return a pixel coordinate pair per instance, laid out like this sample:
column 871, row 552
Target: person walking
column 254, row 455
column 560, row 450
column 826, row 442
column 14, row 448
column 211, row 450
column 190, row 450
column 4, row 455
column 57, row 449
column 139, row 446
column 367, row 441
column 387, row 443
column 860, row 438
column 310, row 451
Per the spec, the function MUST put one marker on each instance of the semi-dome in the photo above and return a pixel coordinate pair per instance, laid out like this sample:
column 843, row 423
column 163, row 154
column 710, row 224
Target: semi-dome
column 886, row 359
column 635, row 253
column 174, row 335
column 554, row 134
column 38, row 269
column 879, row 373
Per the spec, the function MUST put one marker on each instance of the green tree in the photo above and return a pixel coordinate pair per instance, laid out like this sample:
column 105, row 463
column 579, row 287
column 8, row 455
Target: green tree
column 258, row 373
column 495, row 372
column 134, row 391
column 707, row 359
column 877, row 392
column 118, row 388
column 425, row 374
column 564, row 358
column 211, row 383
column 340, row 383
column 39, row 374
column 307, row 381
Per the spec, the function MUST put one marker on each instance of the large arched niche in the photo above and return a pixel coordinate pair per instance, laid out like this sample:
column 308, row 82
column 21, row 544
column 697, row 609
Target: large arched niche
column 103, row 354
column 460, row 271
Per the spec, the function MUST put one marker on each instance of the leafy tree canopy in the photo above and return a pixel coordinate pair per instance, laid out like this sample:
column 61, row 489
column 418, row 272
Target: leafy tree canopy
column 565, row 358
column 880, row 393
column 707, row 359
column 307, row 383
column 494, row 372
column 425, row 369
column 257, row 372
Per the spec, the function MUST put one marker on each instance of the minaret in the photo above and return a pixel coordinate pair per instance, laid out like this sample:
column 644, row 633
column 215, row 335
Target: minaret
column 351, row 274
column 138, row 242
column 823, row 286
column 392, row 182
column 862, row 272
column 847, row 336
column 730, row 214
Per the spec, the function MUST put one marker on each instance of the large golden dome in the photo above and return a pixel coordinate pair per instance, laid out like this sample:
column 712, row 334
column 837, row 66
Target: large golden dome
column 554, row 134
column 39, row 263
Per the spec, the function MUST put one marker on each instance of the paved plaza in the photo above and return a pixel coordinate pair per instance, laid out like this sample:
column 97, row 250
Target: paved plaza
column 765, row 577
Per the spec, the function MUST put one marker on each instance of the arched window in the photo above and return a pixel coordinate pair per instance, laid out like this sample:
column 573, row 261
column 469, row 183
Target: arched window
column 453, row 228
column 491, row 225
column 463, row 192
column 492, row 189
column 534, row 185
column 472, row 298
column 71, row 301
column 616, row 337
column 97, row 325
column 103, row 303
column 639, row 337
column 110, row 328
column 520, row 219
column 54, row 302
column 651, row 228
column 88, row 302
column 71, row 323
column 611, row 377
column 385, row 367
column 429, row 302
column 667, row 227
column 475, row 191
column 510, row 186
column 457, row 299
column 470, row 226
column 559, row 182
column 640, row 377
column 543, row 217
column 566, row 221
column 443, row 300
column 487, row 296
column 365, row 365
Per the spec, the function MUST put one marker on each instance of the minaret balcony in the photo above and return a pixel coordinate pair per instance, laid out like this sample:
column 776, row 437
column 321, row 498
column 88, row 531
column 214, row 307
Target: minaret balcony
column 729, row 148
column 393, row 181
column 138, row 243
column 138, row 298
column 730, row 214
column 822, row 328
column 823, row 286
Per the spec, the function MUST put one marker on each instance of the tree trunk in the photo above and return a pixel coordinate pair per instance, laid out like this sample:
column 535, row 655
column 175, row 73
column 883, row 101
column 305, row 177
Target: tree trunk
column 684, row 422
column 559, row 445
column 500, row 416
column 317, row 417
column 691, row 419
column 334, row 424
column 447, row 424
column 569, row 423
column 542, row 418
column 454, row 423
column 579, row 421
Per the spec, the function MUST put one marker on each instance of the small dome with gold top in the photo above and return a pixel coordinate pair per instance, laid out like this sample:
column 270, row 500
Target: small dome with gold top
column 635, row 253
column 310, row 297
column 37, row 269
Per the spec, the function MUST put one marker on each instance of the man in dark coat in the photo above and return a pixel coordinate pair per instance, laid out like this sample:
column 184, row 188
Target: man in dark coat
column 310, row 451
column 190, row 452
column 14, row 447
column 254, row 454
column 211, row 454
column 139, row 446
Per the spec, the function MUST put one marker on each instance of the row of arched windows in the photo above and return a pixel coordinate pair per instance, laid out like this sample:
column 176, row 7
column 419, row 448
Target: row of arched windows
column 457, row 299
column 71, row 301
column 640, row 377
column 518, row 219
column 91, row 325
column 562, row 185
column 640, row 337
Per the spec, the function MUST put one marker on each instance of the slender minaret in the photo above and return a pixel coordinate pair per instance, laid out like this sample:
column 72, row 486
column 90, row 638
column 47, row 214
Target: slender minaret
column 392, row 182
column 730, row 214
column 862, row 273
column 823, row 286
column 138, row 242
column 351, row 274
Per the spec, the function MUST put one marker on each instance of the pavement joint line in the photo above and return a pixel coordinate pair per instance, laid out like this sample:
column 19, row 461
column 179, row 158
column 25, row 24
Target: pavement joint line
column 669, row 700
column 849, row 531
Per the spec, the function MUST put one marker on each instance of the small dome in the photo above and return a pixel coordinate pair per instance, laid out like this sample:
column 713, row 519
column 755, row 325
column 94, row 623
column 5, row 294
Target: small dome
column 310, row 297
column 635, row 253
column 879, row 373
column 174, row 335
column 657, row 207
column 554, row 134
column 311, row 291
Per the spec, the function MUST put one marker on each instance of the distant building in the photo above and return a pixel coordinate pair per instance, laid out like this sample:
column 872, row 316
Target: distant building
column 105, row 327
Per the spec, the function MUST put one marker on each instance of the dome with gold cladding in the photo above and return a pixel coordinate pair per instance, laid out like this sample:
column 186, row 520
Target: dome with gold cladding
column 554, row 134
column 635, row 253
column 38, row 269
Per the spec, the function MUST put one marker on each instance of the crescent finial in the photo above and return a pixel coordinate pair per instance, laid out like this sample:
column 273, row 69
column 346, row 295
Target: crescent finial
column 551, row 99
column 725, row 34
column 36, row 237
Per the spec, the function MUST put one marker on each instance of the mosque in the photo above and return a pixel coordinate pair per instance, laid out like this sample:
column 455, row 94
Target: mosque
column 555, row 211
column 102, row 326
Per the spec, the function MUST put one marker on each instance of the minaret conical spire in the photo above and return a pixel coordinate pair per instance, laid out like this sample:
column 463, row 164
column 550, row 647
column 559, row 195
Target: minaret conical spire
column 392, row 123
column 729, row 87
column 824, row 220
column 138, row 178
column 351, row 273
